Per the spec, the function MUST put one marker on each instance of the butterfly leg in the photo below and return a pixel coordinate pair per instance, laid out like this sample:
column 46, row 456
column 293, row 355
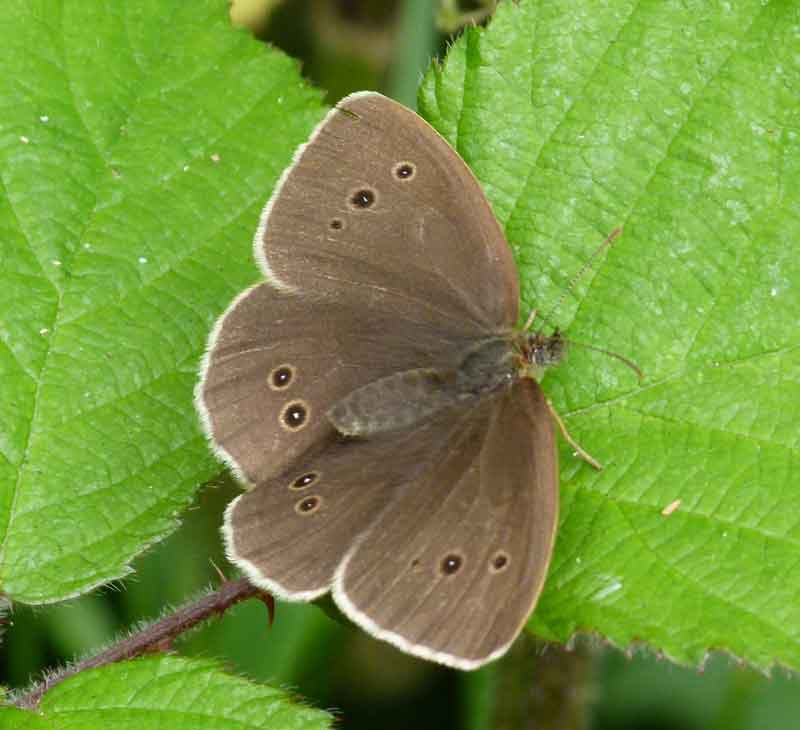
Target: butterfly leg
column 531, row 320
column 578, row 450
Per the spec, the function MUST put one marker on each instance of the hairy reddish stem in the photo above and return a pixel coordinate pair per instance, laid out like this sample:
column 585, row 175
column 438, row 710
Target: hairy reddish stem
column 155, row 637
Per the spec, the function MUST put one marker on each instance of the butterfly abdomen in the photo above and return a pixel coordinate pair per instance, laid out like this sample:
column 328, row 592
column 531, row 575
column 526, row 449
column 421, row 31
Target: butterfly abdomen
column 394, row 402
column 412, row 396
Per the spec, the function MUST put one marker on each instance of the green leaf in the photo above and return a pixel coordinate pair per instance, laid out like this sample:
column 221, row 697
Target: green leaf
column 166, row 692
column 138, row 142
column 13, row 719
column 680, row 121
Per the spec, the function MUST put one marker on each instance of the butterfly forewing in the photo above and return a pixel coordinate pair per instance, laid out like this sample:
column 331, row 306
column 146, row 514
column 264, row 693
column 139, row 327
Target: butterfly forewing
column 378, row 209
column 278, row 362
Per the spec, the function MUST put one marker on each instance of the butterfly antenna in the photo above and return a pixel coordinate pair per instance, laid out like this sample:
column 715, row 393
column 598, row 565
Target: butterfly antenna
column 630, row 363
column 575, row 279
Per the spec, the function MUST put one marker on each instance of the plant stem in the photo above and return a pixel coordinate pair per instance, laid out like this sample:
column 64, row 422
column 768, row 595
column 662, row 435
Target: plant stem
column 541, row 686
column 154, row 637
column 415, row 43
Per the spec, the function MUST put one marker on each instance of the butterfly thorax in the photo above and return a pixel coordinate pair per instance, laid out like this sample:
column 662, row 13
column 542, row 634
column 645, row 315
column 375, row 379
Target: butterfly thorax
column 538, row 351
column 410, row 397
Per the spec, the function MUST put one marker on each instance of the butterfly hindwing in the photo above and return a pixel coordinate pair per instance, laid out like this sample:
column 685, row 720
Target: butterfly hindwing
column 290, row 533
column 452, row 568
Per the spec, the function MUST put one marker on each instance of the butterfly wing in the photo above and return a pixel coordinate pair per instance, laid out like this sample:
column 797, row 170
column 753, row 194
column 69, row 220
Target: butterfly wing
column 400, row 284
column 379, row 210
column 383, row 257
column 290, row 533
column 277, row 362
column 452, row 568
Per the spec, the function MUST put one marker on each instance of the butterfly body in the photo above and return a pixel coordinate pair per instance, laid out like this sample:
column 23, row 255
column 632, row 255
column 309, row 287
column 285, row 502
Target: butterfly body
column 375, row 395
column 407, row 398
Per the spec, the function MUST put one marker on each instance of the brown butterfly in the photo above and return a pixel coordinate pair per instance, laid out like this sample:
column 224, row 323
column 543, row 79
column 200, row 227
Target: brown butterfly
column 378, row 400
